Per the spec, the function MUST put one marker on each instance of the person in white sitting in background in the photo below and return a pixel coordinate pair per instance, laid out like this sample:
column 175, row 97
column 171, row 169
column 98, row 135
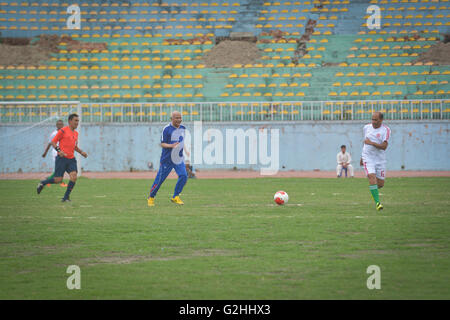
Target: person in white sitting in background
column 344, row 162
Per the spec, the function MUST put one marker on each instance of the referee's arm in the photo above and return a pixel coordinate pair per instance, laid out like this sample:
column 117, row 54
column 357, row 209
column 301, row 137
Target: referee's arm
column 84, row 154
column 60, row 152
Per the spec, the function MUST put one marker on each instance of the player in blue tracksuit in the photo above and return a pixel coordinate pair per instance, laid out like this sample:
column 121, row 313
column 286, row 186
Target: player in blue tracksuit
column 172, row 142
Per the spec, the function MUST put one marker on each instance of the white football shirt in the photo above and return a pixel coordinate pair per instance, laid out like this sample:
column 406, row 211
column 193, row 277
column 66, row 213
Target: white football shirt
column 54, row 152
column 378, row 135
column 343, row 157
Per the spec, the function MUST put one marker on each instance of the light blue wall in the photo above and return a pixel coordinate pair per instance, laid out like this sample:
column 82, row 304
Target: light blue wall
column 303, row 145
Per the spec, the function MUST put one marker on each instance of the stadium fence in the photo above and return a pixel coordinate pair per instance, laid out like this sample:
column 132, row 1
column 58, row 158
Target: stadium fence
column 24, row 112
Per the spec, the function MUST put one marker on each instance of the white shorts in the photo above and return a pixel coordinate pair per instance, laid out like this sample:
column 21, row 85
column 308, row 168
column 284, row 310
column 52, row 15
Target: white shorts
column 378, row 168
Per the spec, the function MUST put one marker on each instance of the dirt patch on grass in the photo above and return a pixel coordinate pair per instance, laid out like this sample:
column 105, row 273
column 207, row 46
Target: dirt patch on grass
column 39, row 250
column 363, row 253
column 420, row 245
column 349, row 233
column 127, row 259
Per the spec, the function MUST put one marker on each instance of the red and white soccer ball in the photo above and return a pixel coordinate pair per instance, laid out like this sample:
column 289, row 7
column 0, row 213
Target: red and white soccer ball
column 281, row 198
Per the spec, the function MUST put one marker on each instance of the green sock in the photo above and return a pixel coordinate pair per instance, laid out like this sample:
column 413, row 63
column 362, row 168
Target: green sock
column 374, row 191
column 51, row 176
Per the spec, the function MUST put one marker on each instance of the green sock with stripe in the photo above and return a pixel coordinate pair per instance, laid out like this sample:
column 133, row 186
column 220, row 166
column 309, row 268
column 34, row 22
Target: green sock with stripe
column 374, row 191
column 51, row 176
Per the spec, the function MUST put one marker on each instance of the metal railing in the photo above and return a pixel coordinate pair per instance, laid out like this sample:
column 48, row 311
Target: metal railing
column 430, row 109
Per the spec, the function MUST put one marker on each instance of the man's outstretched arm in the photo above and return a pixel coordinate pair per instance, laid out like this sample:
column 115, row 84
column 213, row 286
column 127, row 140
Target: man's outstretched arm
column 46, row 149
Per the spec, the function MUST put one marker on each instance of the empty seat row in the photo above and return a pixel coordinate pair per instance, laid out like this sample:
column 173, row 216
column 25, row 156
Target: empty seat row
column 102, row 87
column 412, row 8
column 404, row 1
column 399, row 39
column 357, row 106
column 136, row 51
column 164, row 43
column 102, row 77
column 115, row 12
column 387, row 93
column 106, row 27
column 407, row 32
column 291, row 18
column 389, row 103
column 410, row 24
column 105, row 59
column 138, row 35
column 299, row 25
column 393, row 74
column 306, row 2
column 273, row 75
column 390, row 83
column 122, row 13
column 276, row 57
column 98, row 96
column 106, row 67
column 383, row 55
column 385, row 64
column 396, row 47
column 271, row 85
column 289, row 49
column 185, row 36
column 317, row 10
column 122, row 19
column 290, row 25
column 122, row 4
column 417, row 16
column 262, row 94
column 283, row 11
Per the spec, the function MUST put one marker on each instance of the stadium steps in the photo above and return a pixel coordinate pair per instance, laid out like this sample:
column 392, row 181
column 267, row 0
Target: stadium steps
column 140, row 65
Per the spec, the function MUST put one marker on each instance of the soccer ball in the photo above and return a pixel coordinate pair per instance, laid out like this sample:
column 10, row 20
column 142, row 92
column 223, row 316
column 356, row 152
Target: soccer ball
column 281, row 197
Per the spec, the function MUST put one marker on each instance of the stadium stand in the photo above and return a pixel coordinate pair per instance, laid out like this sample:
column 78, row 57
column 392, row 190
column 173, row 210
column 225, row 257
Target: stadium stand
column 151, row 54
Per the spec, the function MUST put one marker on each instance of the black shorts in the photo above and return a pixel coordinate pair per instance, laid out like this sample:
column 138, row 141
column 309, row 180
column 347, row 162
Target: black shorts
column 64, row 165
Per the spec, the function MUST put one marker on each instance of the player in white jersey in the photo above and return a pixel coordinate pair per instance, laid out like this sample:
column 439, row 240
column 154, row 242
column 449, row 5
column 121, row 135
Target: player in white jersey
column 59, row 125
column 373, row 158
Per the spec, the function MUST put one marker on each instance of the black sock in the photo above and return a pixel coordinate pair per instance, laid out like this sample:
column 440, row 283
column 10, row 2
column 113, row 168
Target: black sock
column 48, row 181
column 69, row 189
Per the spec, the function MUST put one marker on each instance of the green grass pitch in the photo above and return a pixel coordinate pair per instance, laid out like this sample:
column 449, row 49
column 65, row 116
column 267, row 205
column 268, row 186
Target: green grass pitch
column 229, row 240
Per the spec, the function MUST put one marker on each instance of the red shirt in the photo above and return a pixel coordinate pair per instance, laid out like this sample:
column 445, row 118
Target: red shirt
column 67, row 141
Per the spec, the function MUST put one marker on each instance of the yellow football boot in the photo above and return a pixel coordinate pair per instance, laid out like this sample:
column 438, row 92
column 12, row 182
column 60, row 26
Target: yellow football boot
column 379, row 206
column 177, row 200
column 151, row 202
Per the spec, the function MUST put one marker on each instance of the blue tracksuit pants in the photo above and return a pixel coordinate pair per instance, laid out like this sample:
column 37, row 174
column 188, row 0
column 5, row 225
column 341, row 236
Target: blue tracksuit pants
column 163, row 172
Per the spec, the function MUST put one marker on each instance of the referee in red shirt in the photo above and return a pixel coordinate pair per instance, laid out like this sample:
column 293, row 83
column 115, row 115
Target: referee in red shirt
column 65, row 161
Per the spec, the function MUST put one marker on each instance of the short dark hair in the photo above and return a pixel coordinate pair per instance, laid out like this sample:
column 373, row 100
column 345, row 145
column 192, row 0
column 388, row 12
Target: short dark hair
column 73, row 115
column 59, row 121
column 343, row 146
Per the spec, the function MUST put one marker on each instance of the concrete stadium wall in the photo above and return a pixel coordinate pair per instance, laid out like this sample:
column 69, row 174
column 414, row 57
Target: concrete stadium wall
column 303, row 145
